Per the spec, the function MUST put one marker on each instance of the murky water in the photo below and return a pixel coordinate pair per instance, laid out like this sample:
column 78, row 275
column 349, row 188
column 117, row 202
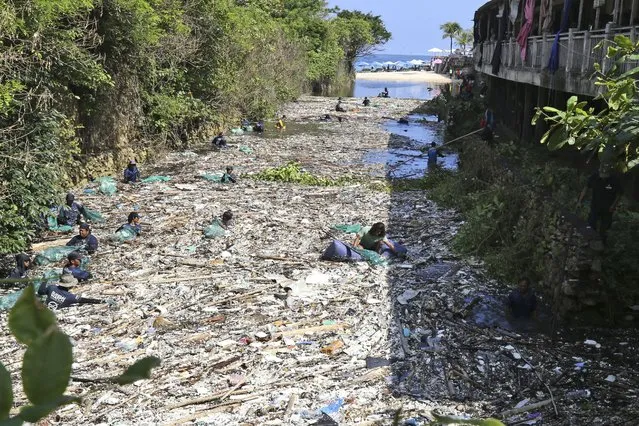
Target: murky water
column 404, row 159
column 402, row 90
column 492, row 312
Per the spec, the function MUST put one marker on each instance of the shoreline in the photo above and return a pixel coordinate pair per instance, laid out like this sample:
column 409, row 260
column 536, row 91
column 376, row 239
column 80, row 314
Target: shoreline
column 404, row 76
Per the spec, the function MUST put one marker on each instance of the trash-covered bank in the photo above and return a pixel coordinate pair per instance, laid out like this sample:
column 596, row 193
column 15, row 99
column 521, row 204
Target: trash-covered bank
column 252, row 328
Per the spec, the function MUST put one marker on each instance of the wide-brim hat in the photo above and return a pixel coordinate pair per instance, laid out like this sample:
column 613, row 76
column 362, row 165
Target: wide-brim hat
column 68, row 280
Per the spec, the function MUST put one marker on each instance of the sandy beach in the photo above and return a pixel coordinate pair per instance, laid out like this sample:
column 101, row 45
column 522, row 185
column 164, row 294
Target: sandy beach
column 404, row 76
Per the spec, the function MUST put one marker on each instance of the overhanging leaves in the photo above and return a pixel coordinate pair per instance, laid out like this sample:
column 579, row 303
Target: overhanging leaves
column 29, row 319
column 6, row 393
column 33, row 413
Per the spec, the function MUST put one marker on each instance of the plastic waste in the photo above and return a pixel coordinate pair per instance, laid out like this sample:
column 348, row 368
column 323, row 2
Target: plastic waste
column 52, row 225
column 351, row 229
column 93, row 215
column 7, row 301
column 124, row 234
column 53, row 254
column 246, row 150
column 578, row 394
column 156, row 178
column 214, row 230
column 237, row 131
column 333, row 407
column 217, row 177
column 107, row 185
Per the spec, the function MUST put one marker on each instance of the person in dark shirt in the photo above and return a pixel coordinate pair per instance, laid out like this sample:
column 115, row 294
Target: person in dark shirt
column 219, row 141
column 131, row 173
column 72, row 267
column 58, row 296
column 227, row 219
column 606, row 193
column 84, row 239
column 229, row 177
column 71, row 213
column 133, row 224
column 366, row 102
column 432, row 154
column 339, row 107
column 259, row 127
column 23, row 262
column 522, row 301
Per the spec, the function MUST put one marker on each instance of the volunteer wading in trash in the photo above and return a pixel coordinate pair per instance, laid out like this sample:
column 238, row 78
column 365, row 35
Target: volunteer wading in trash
column 132, row 225
column 374, row 238
column 522, row 301
column 58, row 296
column 71, row 212
column 229, row 177
column 23, row 262
column 72, row 267
column 131, row 173
column 84, row 239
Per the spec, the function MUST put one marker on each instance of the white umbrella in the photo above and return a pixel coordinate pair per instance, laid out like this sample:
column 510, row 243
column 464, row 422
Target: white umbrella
column 416, row 62
column 387, row 63
column 377, row 65
column 435, row 50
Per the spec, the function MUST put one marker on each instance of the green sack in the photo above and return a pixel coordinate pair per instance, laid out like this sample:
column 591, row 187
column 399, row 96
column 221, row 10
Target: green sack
column 93, row 216
column 214, row 230
column 350, row 229
column 123, row 235
column 237, row 131
column 217, row 177
column 7, row 301
column 371, row 257
column 52, row 224
column 107, row 185
column 156, row 178
column 53, row 254
column 246, row 149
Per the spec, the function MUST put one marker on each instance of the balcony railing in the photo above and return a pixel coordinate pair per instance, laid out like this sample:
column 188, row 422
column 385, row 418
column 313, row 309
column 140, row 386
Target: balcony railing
column 576, row 56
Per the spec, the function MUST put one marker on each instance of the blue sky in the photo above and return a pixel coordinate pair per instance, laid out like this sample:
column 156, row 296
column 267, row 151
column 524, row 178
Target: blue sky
column 415, row 23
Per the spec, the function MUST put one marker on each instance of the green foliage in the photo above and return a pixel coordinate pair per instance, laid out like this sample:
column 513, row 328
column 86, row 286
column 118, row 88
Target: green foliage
column 359, row 34
column 621, row 254
column 44, row 383
column 613, row 131
column 464, row 38
column 450, row 420
column 293, row 173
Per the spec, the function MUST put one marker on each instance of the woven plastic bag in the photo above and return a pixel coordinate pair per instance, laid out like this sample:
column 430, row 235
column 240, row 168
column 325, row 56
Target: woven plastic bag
column 213, row 178
column 107, row 185
column 124, row 234
column 156, row 178
column 350, row 229
column 214, row 230
column 53, row 254
column 372, row 257
column 93, row 216
column 245, row 149
column 52, row 225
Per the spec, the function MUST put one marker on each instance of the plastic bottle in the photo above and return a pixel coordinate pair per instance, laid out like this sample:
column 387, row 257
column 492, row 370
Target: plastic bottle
column 578, row 394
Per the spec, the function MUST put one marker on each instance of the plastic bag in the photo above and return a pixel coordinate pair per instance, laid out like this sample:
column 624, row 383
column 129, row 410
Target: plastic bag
column 53, row 254
column 124, row 234
column 93, row 215
column 107, row 185
column 214, row 230
column 52, row 225
column 372, row 257
column 237, row 131
column 350, row 229
column 246, row 149
column 156, row 178
column 217, row 177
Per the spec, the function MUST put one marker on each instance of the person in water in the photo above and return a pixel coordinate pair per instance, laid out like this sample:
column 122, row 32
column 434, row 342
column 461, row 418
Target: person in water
column 339, row 107
column 23, row 263
column 71, row 213
column 385, row 93
column 219, row 141
column 374, row 238
column 522, row 302
column 131, row 173
column 132, row 225
column 259, row 127
column 72, row 267
column 366, row 102
column 227, row 219
column 433, row 153
column 84, row 239
column 281, row 125
column 229, row 177
column 59, row 296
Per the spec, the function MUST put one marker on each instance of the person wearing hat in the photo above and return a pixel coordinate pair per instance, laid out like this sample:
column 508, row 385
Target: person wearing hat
column 132, row 225
column 23, row 262
column 219, row 141
column 71, row 213
column 131, row 173
column 606, row 193
column 58, row 296
column 74, row 259
column 84, row 239
column 229, row 177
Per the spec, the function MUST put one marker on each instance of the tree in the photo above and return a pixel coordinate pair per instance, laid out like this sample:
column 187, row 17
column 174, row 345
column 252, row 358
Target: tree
column 360, row 34
column 464, row 39
column 450, row 30
column 612, row 132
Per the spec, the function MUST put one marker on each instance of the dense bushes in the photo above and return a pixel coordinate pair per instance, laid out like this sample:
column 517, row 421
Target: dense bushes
column 84, row 84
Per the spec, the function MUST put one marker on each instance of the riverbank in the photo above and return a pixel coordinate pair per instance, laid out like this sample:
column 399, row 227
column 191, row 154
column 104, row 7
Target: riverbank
column 404, row 76
column 252, row 328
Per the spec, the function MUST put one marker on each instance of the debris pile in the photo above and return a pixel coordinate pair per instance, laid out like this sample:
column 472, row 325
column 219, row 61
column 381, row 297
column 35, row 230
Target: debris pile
column 252, row 328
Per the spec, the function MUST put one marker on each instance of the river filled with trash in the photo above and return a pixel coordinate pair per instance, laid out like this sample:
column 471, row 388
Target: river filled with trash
column 254, row 328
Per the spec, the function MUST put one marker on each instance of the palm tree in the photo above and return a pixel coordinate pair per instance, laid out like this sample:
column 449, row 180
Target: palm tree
column 464, row 38
column 450, row 29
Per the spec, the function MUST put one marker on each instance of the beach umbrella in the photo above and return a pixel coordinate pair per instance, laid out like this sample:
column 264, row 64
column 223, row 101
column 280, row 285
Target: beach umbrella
column 416, row 62
column 435, row 50
column 400, row 65
column 363, row 64
column 389, row 63
column 376, row 64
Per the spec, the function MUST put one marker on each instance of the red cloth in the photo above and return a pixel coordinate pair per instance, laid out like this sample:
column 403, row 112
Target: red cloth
column 524, row 32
